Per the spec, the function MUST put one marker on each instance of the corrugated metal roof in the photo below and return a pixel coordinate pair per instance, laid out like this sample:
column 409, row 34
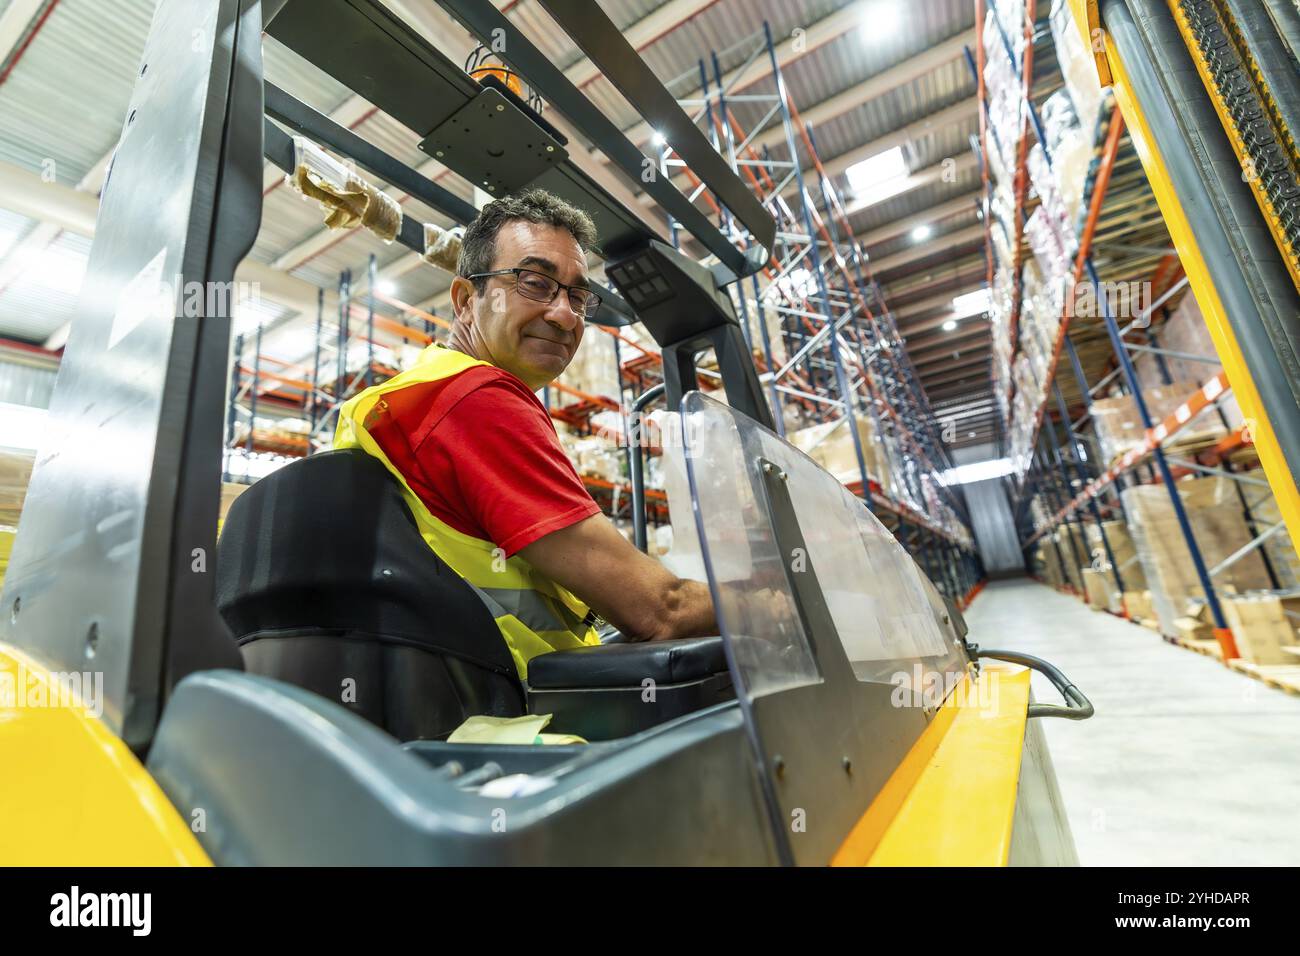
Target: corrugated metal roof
column 723, row 29
column 26, row 384
column 12, row 228
column 287, row 70
column 74, row 117
column 954, row 223
column 862, row 53
column 925, row 197
column 65, row 100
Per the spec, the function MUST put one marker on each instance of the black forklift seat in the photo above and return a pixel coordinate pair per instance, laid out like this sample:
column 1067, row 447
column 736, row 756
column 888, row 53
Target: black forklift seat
column 325, row 582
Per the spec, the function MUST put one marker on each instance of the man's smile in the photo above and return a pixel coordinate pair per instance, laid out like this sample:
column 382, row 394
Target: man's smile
column 566, row 347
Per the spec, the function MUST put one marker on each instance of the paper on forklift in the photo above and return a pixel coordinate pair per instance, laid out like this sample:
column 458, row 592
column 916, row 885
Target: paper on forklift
column 481, row 729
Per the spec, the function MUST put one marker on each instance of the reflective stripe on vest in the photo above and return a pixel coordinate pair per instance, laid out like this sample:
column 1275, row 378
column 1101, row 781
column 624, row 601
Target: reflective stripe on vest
column 534, row 614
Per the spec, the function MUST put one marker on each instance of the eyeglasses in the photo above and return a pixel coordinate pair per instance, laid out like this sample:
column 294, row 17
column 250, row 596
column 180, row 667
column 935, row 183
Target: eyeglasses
column 542, row 288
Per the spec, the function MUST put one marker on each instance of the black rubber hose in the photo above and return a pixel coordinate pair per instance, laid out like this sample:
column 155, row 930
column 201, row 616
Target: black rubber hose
column 1078, row 707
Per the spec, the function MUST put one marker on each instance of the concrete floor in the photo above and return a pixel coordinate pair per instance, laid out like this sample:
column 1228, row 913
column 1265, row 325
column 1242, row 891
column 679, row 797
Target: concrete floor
column 1185, row 761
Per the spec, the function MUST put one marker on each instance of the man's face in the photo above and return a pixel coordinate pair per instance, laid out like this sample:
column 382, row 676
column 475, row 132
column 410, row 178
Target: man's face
column 535, row 341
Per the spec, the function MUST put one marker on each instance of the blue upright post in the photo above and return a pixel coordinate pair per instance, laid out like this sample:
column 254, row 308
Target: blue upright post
column 1180, row 512
column 1083, row 480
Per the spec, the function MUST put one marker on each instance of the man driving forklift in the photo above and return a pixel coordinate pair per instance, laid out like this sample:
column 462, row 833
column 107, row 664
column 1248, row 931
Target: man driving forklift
column 480, row 464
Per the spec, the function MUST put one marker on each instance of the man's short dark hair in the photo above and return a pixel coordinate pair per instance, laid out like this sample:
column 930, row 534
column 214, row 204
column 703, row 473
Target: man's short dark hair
column 478, row 249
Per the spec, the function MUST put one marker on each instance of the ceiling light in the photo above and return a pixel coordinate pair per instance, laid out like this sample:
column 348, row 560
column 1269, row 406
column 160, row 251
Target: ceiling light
column 922, row 233
column 881, row 20
column 385, row 287
column 658, row 138
column 878, row 177
column 54, row 269
column 950, row 325
column 977, row 471
column 972, row 303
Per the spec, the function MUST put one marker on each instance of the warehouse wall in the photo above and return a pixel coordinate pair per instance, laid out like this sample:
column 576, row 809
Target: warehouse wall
column 990, row 515
column 994, row 532
column 22, row 384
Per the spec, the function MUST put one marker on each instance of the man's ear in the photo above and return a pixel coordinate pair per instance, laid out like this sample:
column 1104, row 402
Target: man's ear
column 462, row 291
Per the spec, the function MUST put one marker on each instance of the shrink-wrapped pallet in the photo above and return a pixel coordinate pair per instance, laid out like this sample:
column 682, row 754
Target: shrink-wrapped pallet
column 1215, row 514
column 1119, row 423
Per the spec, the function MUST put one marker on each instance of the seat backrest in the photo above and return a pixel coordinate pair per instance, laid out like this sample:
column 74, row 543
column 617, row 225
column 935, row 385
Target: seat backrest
column 325, row 550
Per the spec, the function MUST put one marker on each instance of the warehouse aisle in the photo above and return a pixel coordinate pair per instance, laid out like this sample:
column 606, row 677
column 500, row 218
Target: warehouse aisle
column 1185, row 761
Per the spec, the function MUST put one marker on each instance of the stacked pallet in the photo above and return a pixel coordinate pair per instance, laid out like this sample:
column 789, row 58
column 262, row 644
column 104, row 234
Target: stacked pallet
column 830, row 444
column 1264, row 628
column 1120, row 428
column 1103, row 585
column 1219, row 526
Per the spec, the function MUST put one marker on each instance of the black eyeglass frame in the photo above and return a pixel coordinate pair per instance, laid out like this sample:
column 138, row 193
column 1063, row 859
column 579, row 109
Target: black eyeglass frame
column 593, row 298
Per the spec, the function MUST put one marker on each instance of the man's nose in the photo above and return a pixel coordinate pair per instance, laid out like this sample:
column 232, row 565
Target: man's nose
column 561, row 315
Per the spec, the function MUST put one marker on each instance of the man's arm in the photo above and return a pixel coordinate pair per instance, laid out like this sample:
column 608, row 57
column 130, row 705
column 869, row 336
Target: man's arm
column 631, row 590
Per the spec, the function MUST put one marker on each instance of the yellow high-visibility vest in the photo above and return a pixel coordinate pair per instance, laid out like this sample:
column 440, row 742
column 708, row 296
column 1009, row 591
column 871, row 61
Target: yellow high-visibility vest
column 535, row 614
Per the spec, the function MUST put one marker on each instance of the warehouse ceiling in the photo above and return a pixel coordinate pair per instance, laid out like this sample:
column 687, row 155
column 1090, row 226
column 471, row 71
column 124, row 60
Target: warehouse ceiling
column 869, row 76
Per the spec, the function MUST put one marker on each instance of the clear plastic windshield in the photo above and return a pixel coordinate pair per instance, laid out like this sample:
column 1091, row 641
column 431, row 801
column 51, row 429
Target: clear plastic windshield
column 872, row 587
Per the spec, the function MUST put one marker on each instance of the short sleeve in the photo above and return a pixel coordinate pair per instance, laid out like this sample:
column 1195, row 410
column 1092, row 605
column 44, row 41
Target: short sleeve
column 511, row 476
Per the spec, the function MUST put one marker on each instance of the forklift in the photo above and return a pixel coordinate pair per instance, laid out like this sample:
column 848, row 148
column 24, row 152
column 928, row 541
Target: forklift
column 841, row 716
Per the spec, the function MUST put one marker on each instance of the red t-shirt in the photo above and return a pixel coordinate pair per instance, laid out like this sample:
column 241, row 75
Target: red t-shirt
column 480, row 451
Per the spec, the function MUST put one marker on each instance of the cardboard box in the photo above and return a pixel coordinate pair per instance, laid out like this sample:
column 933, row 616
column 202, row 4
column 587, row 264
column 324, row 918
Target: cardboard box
column 1261, row 628
column 1061, row 559
column 1119, row 424
column 1215, row 514
column 1099, row 589
column 1138, row 605
column 1046, row 564
column 831, row 446
column 1193, row 629
column 1099, row 578
column 1186, row 331
column 1281, row 551
column 1074, row 549
column 1123, row 549
column 15, row 475
column 593, row 369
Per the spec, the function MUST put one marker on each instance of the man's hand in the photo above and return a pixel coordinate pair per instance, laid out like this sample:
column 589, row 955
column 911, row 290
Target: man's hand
column 631, row 590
